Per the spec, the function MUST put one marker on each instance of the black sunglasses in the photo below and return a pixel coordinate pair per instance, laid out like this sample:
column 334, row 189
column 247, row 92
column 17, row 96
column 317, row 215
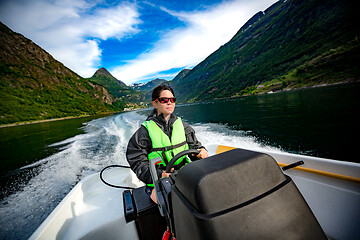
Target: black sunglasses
column 166, row 100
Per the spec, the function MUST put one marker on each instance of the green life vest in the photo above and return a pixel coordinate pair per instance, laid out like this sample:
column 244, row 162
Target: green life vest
column 164, row 147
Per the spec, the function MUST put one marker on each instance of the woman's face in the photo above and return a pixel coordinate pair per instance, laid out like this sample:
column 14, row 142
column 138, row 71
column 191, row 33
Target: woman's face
column 164, row 108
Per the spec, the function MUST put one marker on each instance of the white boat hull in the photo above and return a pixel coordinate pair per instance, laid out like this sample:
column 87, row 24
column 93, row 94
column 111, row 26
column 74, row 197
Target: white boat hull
column 93, row 210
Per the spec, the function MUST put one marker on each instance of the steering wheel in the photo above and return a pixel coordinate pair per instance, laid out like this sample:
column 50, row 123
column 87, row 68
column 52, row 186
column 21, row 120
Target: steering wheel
column 179, row 155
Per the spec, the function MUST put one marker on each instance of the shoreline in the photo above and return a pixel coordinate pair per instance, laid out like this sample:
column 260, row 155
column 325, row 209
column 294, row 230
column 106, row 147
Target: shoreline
column 59, row 119
column 292, row 89
column 49, row 120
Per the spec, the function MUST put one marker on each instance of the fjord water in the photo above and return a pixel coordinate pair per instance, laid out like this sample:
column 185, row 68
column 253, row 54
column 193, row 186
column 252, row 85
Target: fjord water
column 40, row 163
column 322, row 122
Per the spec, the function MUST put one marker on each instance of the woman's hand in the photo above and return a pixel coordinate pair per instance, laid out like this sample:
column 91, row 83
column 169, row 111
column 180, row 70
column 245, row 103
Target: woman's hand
column 153, row 194
column 165, row 174
column 203, row 153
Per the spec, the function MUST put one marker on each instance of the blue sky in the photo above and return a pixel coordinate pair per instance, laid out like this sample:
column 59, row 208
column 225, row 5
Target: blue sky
column 136, row 41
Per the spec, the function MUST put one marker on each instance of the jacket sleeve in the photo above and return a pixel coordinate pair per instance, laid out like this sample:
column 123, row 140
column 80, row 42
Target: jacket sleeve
column 191, row 139
column 137, row 155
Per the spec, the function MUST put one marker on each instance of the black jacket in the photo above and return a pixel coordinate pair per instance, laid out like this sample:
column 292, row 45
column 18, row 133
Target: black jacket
column 140, row 145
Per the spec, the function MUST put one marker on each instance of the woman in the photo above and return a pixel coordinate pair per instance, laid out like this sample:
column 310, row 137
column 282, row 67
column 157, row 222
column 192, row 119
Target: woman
column 161, row 129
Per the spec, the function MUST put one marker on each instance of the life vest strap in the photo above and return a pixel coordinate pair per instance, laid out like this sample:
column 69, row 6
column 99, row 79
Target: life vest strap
column 168, row 148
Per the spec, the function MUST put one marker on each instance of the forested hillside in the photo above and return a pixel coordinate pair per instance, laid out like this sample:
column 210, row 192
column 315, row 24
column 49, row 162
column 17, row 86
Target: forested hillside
column 35, row 86
column 291, row 44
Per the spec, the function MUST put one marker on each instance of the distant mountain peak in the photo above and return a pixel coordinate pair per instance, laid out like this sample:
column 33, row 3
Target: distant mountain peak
column 103, row 72
column 149, row 86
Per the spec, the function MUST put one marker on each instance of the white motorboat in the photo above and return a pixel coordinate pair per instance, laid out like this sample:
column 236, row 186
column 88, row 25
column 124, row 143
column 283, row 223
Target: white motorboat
column 94, row 210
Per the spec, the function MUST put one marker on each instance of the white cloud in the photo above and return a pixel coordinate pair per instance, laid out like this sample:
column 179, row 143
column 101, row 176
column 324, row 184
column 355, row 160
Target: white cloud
column 206, row 31
column 69, row 29
column 81, row 57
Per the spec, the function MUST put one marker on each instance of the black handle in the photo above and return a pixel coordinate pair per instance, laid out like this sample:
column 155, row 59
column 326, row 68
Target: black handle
column 179, row 155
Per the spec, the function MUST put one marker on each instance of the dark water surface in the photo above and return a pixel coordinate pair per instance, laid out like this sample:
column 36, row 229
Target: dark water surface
column 25, row 144
column 322, row 122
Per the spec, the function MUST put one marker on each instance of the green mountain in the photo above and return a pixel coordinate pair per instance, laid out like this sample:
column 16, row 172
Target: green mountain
column 180, row 75
column 103, row 77
column 124, row 95
column 35, row 86
column 291, row 44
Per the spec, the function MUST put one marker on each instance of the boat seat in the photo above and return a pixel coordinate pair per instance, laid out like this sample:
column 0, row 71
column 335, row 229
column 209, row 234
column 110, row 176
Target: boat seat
column 240, row 194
